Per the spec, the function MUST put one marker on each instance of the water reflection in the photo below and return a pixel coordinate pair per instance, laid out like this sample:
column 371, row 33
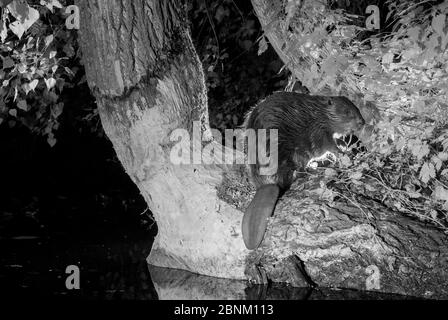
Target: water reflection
column 31, row 267
column 172, row 284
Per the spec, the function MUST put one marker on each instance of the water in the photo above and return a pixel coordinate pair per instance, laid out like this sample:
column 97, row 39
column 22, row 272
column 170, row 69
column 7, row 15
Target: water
column 32, row 267
column 115, row 269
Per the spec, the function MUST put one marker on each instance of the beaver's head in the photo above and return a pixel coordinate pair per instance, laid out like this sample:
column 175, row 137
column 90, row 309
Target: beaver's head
column 345, row 116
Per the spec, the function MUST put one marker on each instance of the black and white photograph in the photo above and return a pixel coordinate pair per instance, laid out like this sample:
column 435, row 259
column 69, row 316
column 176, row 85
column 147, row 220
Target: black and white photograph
column 245, row 152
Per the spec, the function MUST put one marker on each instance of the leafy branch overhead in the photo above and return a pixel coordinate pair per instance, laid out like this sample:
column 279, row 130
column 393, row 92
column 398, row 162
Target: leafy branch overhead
column 40, row 59
column 36, row 50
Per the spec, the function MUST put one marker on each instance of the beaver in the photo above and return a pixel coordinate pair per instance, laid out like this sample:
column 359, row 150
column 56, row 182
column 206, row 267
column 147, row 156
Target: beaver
column 308, row 127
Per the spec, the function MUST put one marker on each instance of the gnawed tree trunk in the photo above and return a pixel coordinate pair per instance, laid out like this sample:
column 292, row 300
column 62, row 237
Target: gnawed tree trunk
column 148, row 81
column 147, row 78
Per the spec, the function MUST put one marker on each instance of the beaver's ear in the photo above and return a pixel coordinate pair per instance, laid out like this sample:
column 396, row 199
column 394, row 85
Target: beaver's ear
column 330, row 101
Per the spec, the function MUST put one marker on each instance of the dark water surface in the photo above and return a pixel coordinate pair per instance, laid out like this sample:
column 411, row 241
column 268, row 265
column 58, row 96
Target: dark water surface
column 116, row 269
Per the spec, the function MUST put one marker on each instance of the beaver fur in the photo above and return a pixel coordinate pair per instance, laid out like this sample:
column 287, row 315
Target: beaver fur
column 307, row 128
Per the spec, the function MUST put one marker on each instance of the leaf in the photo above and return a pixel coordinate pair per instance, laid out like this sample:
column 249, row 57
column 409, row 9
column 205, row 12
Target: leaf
column 33, row 84
column 355, row 175
column 3, row 31
column 50, row 4
column 329, row 172
column 17, row 28
column 25, row 15
column 49, row 40
column 437, row 163
column 427, row 172
column 262, row 45
column 438, row 23
column 22, row 68
column 429, row 130
column 419, row 148
column 22, row 105
column 312, row 165
column 414, row 195
column 325, row 193
column 235, row 120
column 26, row 88
column 57, row 110
column 445, row 206
column 19, row 10
column 400, row 144
column 440, row 193
column 345, row 161
column 68, row 71
column 433, row 214
column 8, row 63
column 246, row 44
column 13, row 112
column 51, row 140
column 424, row 151
column 69, row 50
column 443, row 156
column 51, row 82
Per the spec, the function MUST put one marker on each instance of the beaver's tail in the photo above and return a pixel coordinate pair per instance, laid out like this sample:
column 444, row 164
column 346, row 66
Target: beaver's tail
column 255, row 218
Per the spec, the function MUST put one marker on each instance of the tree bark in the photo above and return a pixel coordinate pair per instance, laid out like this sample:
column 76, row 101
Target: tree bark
column 336, row 244
column 148, row 81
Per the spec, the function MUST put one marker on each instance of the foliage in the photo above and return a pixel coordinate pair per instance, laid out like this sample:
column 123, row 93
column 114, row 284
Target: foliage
column 392, row 181
column 41, row 59
column 38, row 54
column 402, row 69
